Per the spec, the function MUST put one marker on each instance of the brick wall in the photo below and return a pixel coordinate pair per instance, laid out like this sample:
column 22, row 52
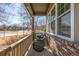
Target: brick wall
column 65, row 48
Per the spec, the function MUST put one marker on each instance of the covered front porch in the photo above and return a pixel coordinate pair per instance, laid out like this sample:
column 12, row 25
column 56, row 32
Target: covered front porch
column 56, row 46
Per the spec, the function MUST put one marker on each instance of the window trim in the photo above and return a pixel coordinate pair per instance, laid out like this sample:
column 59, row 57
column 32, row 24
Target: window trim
column 72, row 24
column 64, row 13
column 61, row 36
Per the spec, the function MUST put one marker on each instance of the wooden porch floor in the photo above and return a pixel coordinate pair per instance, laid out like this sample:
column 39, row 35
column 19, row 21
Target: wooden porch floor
column 48, row 51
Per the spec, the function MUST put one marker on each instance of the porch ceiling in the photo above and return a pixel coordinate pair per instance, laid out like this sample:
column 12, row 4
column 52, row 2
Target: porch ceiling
column 37, row 8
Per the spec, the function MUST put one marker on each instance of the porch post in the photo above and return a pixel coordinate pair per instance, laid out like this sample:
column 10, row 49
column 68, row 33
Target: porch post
column 33, row 32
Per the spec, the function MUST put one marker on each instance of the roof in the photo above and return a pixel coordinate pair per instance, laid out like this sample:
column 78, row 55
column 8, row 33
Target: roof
column 37, row 8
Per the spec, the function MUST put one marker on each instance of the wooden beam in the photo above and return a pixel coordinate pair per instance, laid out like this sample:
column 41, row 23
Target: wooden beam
column 29, row 8
column 33, row 31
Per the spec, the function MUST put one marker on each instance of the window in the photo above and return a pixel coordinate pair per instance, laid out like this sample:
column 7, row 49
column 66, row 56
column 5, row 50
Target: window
column 62, row 7
column 53, row 21
column 53, row 26
column 64, row 22
column 49, row 27
column 64, row 25
column 49, row 22
column 49, row 18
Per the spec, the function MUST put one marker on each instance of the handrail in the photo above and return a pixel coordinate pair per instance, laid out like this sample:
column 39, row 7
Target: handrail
column 18, row 48
column 14, row 44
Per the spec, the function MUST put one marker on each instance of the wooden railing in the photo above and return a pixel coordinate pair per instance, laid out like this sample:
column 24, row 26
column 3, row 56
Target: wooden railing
column 18, row 48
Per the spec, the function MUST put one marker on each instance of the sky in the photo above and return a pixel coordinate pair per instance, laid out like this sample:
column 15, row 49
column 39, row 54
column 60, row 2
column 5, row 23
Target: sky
column 40, row 20
column 14, row 13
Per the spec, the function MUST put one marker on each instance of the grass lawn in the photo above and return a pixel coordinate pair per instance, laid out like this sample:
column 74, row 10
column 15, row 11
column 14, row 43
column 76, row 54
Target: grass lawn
column 7, row 40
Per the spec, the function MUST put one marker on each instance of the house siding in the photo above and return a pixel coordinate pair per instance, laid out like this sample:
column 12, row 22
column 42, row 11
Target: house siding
column 76, row 22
